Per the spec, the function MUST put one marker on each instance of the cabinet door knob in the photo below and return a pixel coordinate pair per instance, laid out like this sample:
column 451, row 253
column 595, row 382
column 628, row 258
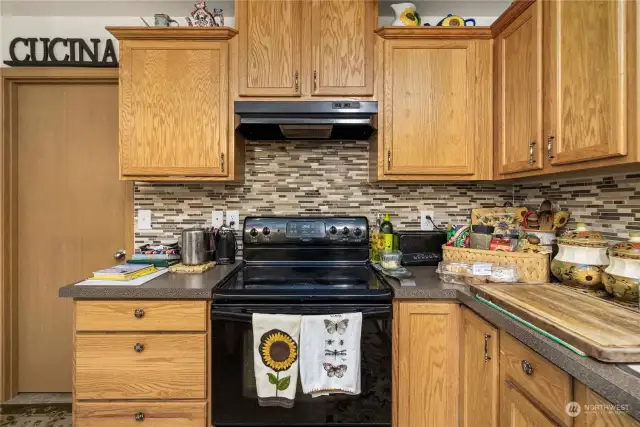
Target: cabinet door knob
column 138, row 348
column 486, row 347
column 526, row 367
column 532, row 160
column 119, row 254
column 139, row 416
column 138, row 313
column 550, row 147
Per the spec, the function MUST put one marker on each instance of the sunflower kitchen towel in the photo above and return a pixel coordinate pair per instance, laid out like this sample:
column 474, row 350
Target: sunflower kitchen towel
column 275, row 358
column 330, row 354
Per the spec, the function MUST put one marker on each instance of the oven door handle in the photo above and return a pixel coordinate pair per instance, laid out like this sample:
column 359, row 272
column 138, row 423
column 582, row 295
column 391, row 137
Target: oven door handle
column 247, row 317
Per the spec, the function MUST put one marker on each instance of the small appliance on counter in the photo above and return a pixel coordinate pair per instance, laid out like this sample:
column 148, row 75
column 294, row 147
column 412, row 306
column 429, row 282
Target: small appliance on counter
column 421, row 247
column 226, row 245
column 197, row 246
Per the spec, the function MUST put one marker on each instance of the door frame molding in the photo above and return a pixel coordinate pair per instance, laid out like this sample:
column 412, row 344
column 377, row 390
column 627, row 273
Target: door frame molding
column 9, row 81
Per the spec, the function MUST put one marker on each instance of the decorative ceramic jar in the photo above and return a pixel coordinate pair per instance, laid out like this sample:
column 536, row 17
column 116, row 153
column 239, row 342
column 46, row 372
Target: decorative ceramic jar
column 582, row 257
column 405, row 15
column 622, row 276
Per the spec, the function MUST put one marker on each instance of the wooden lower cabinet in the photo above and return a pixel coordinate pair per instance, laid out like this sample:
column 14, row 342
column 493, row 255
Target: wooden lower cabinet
column 151, row 365
column 549, row 386
column 426, row 364
column 154, row 414
column 479, row 372
column 142, row 316
column 596, row 411
column 518, row 411
column 140, row 366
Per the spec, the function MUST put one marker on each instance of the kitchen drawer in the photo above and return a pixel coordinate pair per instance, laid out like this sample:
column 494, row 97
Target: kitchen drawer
column 154, row 414
column 164, row 366
column 141, row 315
column 549, row 385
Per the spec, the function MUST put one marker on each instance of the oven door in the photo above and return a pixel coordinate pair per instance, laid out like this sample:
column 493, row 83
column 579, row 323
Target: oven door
column 234, row 399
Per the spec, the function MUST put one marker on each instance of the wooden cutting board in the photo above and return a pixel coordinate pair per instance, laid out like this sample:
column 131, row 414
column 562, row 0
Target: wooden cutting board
column 603, row 330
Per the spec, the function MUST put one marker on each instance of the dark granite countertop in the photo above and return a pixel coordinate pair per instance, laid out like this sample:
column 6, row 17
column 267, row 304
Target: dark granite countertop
column 167, row 286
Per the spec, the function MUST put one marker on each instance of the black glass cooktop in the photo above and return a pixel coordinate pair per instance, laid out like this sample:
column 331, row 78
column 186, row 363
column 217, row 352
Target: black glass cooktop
column 305, row 282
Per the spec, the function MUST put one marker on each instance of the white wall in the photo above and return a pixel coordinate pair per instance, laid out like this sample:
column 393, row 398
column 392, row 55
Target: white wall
column 87, row 18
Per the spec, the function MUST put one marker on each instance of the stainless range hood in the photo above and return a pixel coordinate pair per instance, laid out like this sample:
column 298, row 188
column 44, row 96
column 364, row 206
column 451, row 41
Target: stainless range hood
column 326, row 120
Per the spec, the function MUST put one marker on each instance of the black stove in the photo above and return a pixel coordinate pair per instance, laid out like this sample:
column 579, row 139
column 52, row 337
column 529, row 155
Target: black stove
column 306, row 266
column 310, row 259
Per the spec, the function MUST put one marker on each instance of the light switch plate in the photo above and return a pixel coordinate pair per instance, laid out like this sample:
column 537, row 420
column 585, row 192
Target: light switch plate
column 144, row 219
column 425, row 224
column 233, row 219
column 216, row 218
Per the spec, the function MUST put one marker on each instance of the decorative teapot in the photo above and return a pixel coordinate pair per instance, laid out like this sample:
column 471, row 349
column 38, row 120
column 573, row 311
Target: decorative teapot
column 201, row 17
column 406, row 15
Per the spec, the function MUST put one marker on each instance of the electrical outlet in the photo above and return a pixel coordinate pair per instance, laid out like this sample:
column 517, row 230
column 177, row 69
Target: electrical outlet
column 425, row 224
column 216, row 218
column 144, row 219
column 233, row 219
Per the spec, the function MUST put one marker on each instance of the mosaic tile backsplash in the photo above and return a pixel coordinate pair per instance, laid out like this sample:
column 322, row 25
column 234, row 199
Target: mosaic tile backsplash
column 331, row 178
column 605, row 202
column 308, row 178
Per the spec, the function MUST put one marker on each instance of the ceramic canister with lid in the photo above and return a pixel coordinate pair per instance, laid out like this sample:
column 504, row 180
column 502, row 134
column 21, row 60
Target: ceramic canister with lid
column 622, row 276
column 582, row 257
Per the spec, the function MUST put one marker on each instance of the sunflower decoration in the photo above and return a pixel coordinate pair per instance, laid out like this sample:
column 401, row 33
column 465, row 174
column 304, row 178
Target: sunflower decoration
column 278, row 351
column 410, row 17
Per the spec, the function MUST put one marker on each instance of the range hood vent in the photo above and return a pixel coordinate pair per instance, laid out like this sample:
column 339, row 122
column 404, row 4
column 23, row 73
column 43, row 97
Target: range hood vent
column 306, row 120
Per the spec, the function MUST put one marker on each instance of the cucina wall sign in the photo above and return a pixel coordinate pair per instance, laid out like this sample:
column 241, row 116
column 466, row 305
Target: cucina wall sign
column 60, row 52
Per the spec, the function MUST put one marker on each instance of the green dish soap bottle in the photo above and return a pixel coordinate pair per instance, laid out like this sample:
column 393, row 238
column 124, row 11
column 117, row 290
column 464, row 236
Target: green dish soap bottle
column 386, row 229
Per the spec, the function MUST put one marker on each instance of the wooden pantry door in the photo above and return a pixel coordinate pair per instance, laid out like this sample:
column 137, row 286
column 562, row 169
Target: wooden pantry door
column 71, row 213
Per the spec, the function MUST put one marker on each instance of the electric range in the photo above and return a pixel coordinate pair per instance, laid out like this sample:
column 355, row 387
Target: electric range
column 301, row 265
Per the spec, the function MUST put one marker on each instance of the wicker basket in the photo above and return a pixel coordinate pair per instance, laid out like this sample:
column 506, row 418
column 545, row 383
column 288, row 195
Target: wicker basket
column 533, row 268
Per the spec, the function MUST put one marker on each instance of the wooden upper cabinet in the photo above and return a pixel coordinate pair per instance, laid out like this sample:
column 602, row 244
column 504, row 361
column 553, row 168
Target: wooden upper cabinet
column 518, row 94
column 342, row 46
column 174, row 103
column 587, row 82
column 479, row 372
column 269, row 52
column 426, row 373
column 437, row 109
column 518, row 411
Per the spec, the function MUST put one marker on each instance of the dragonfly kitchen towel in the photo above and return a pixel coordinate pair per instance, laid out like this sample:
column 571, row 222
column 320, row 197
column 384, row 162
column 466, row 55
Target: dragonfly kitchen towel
column 275, row 358
column 330, row 354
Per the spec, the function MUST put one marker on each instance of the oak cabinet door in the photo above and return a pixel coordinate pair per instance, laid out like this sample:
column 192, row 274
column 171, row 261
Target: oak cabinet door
column 427, row 364
column 269, row 47
column 173, row 108
column 587, row 79
column 518, row 411
column 431, row 117
column 596, row 411
column 518, row 56
column 479, row 372
column 342, row 38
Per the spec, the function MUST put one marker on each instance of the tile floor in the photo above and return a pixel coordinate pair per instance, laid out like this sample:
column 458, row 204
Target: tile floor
column 37, row 410
column 39, row 398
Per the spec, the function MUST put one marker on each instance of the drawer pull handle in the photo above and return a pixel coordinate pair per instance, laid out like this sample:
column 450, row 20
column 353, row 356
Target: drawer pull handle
column 139, row 416
column 486, row 347
column 139, row 313
column 138, row 348
column 527, row 368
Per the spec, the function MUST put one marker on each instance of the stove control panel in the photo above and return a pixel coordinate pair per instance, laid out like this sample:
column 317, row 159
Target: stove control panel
column 336, row 230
